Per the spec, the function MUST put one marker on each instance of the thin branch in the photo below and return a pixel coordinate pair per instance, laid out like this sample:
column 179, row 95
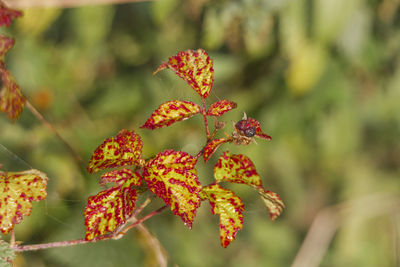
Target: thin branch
column 51, row 245
column 64, row 3
column 39, row 116
column 69, row 243
column 123, row 232
column 205, row 119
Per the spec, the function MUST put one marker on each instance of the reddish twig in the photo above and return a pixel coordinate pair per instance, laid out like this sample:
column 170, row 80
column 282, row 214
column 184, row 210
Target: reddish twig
column 123, row 232
column 69, row 243
column 205, row 119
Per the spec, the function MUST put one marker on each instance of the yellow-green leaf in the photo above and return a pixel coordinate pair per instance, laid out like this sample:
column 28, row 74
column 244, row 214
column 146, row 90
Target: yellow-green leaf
column 18, row 190
column 212, row 146
column 273, row 202
column 172, row 177
column 170, row 112
column 111, row 208
column 195, row 67
column 11, row 99
column 230, row 209
column 124, row 149
column 236, row 169
column 220, row 107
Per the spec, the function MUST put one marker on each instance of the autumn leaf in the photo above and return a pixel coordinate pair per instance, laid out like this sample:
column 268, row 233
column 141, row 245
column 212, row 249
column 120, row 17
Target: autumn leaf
column 124, row 149
column 195, row 67
column 6, row 43
column 212, row 146
column 230, row 209
column 18, row 190
column 240, row 169
column 221, row 107
column 170, row 112
column 111, row 207
column 7, row 254
column 11, row 99
column 172, row 177
column 7, row 15
column 273, row 202
column 236, row 169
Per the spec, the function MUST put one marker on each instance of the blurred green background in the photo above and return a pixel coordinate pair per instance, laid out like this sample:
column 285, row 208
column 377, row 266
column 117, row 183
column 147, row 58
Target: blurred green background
column 321, row 76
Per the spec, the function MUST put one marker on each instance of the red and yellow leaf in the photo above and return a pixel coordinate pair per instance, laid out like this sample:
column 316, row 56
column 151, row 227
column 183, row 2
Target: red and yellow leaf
column 212, row 146
column 111, row 208
column 170, row 112
column 230, row 209
column 11, row 99
column 124, row 149
column 195, row 67
column 221, row 107
column 7, row 15
column 120, row 176
column 172, row 177
column 18, row 190
column 6, row 43
column 236, row 169
column 240, row 169
column 273, row 202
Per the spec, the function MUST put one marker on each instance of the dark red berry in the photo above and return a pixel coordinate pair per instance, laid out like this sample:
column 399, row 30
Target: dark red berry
column 241, row 125
column 250, row 132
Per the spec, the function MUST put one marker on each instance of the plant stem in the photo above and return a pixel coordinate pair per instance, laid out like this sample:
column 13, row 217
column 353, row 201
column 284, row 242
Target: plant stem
column 58, row 244
column 51, row 245
column 205, row 119
column 39, row 116
column 123, row 232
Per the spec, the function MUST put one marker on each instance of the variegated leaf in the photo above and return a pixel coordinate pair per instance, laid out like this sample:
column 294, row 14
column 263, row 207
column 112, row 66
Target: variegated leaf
column 273, row 202
column 172, row 177
column 170, row 112
column 120, row 176
column 7, row 15
column 230, row 209
column 111, row 208
column 236, row 169
column 124, row 149
column 212, row 146
column 240, row 169
column 6, row 43
column 195, row 67
column 11, row 99
column 18, row 190
column 7, row 254
column 221, row 107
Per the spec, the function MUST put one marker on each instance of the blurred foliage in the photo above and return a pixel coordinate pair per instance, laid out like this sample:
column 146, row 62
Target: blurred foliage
column 321, row 76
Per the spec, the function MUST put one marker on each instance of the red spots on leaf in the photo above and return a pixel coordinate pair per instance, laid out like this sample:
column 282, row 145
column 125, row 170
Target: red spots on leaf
column 171, row 112
column 221, row 107
column 11, row 99
column 212, row 146
column 195, row 67
column 22, row 188
column 7, row 15
column 172, row 177
column 124, row 149
column 273, row 202
column 111, row 208
column 236, row 169
column 230, row 209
